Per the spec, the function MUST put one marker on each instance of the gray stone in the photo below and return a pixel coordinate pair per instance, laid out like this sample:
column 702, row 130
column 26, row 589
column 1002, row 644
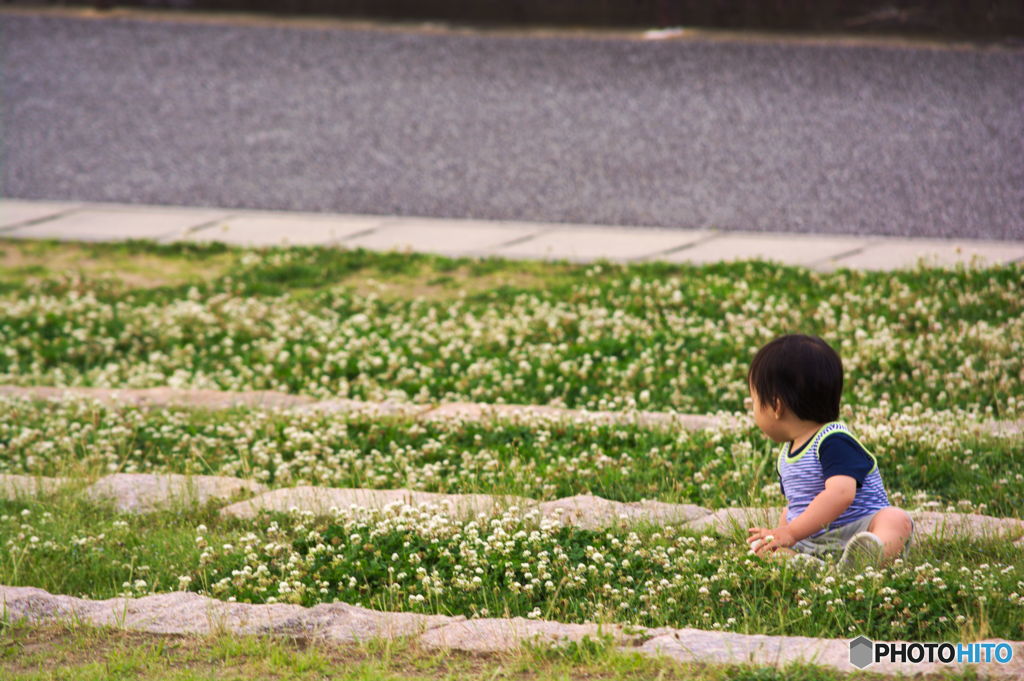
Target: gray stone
column 20, row 486
column 713, row 647
column 937, row 524
column 162, row 397
column 500, row 635
column 1005, row 428
column 320, row 500
column 350, row 623
column 190, row 613
column 473, row 411
column 586, row 511
column 168, row 613
column 708, row 647
column 737, row 518
column 591, row 512
column 517, row 413
column 183, row 612
column 371, row 409
column 465, row 411
column 654, row 419
column 141, row 492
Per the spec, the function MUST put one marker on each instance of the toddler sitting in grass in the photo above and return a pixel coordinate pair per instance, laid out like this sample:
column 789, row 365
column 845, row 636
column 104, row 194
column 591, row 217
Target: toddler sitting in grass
column 834, row 491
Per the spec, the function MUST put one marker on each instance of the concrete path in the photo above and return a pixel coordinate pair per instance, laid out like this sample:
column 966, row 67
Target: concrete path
column 683, row 133
column 82, row 221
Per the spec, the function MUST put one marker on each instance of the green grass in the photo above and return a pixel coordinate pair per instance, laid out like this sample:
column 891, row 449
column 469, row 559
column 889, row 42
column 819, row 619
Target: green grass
column 506, row 566
column 929, row 354
column 329, row 322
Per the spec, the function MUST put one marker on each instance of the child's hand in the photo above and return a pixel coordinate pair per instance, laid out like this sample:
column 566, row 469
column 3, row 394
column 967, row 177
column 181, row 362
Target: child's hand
column 768, row 540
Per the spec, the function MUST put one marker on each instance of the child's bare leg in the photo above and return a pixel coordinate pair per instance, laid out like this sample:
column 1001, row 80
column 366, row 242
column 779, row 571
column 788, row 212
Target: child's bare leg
column 892, row 525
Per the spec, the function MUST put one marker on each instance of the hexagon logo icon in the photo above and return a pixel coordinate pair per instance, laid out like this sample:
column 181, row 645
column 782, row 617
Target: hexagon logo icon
column 862, row 652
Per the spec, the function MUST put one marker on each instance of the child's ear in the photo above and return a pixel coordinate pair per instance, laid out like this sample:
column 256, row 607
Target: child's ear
column 778, row 408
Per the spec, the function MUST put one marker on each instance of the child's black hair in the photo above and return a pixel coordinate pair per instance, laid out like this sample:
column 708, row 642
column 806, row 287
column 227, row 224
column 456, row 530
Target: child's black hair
column 804, row 372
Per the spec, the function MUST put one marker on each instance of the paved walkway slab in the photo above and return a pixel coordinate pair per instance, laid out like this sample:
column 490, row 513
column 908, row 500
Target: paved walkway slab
column 789, row 249
column 892, row 254
column 443, row 237
column 14, row 212
column 508, row 239
column 118, row 223
column 284, row 229
column 585, row 244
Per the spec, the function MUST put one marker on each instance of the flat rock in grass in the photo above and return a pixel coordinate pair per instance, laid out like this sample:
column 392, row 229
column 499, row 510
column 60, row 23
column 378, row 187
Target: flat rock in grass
column 169, row 613
column 163, row 397
column 20, row 486
column 183, row 612
column 727, row 520
column 713, row 647
column 189, row 613
column 350, row 623
column 951, row 525
column 141, row 492
column 651, row 419
column 320, row 500
column 465, row 411
column 345, row 406
column 1006, row 428
column 654, row 419
column 473, row 411
column 591, row 512
column 499, row 635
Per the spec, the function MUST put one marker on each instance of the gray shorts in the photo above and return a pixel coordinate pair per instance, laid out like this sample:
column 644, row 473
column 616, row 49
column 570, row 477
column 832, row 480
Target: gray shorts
column 834, row 541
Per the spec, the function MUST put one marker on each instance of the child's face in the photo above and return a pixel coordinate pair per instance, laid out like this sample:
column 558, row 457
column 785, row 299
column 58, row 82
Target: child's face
column 765, row 417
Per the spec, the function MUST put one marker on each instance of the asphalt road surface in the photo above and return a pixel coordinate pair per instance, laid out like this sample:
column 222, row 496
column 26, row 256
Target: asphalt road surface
column 680, row 134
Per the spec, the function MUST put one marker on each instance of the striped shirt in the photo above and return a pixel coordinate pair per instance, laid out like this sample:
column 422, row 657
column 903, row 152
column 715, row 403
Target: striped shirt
column 802, row 480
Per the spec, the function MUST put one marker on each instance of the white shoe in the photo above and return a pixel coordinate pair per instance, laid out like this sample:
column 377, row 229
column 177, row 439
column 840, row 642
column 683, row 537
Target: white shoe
column 864, row 550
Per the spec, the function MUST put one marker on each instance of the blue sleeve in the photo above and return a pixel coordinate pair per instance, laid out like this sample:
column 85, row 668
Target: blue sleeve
column 840, row 454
